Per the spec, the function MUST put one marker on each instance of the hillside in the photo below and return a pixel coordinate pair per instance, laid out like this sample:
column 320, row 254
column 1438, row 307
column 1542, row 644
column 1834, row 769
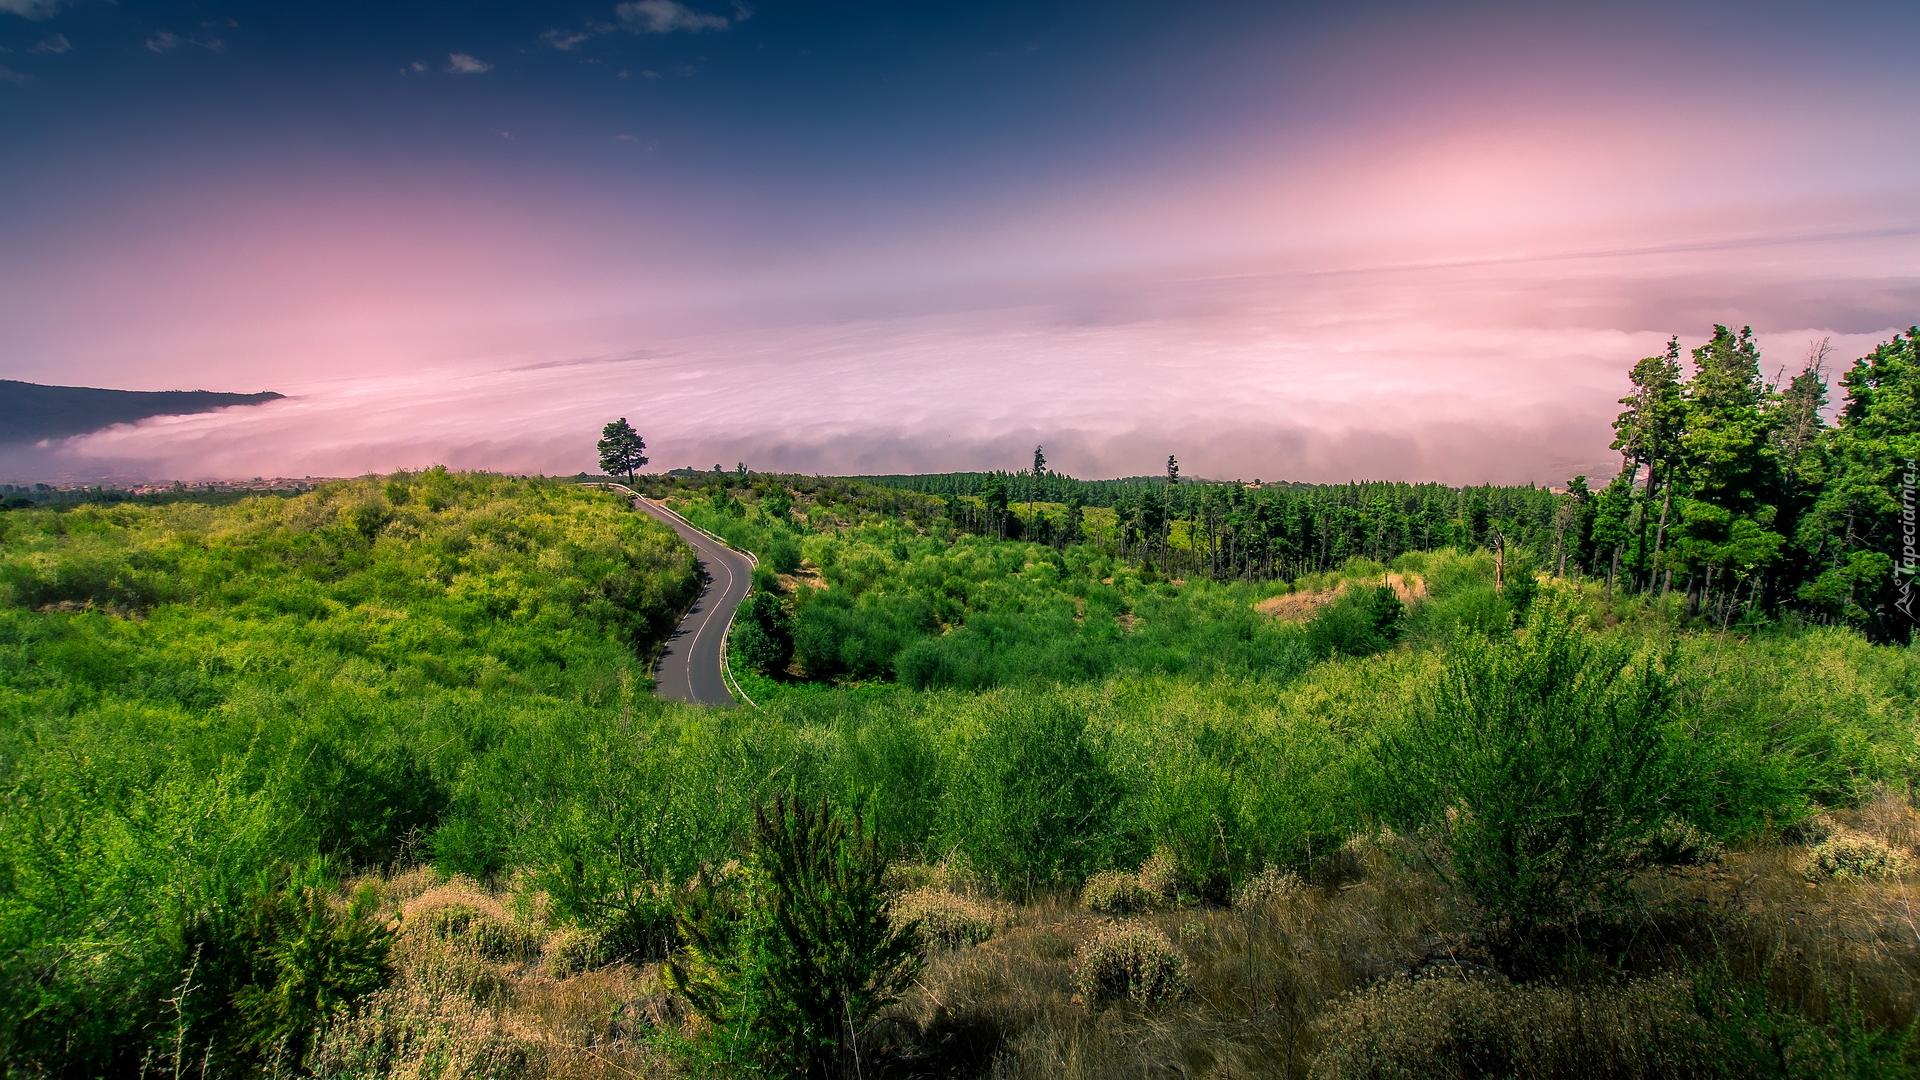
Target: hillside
column 366, row 782
column 35, row 412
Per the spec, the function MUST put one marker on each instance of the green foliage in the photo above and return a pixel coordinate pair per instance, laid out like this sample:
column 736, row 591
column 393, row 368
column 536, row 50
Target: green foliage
column 285, row 959
column 622, row 450
column 763, row 634
column 1028, row 801
column 1542, row 763
column 194, row 699
column 1360, row 622
column 794, row 961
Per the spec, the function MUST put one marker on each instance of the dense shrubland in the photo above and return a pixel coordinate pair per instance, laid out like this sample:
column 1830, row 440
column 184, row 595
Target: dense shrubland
column 369, row 782
column 207, row 714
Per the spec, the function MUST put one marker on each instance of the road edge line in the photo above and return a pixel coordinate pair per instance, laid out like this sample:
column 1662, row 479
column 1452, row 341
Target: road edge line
column 726, row 636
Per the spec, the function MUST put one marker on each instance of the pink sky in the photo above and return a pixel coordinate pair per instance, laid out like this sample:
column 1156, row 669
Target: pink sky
column 1420, row 249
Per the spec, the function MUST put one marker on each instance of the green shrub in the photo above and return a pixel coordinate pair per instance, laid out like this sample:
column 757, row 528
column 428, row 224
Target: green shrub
column 1132, row 962
column 1028, row 802
column 783, row 554
column 1361, row 621
column 1541, row 762
column 763, row 634
column 793, row 965
column 283, row 959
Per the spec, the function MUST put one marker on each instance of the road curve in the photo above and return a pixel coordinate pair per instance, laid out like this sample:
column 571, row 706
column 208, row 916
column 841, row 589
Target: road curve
column 690, row 663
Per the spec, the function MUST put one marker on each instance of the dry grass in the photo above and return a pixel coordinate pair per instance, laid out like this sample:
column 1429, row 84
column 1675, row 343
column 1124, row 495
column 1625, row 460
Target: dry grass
column 484, row 987
column 1304, row 605
column 1373, row 969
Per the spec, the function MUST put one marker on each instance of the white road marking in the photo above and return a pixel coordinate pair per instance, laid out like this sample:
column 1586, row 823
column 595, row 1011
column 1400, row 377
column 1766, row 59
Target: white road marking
column 706, row 620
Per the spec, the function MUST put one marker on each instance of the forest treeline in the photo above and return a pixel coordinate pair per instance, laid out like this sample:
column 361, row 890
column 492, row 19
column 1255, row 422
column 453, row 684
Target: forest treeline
column 1748, row 496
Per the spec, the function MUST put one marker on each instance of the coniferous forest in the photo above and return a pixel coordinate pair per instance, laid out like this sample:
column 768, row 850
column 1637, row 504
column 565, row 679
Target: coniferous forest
column 1033, row 776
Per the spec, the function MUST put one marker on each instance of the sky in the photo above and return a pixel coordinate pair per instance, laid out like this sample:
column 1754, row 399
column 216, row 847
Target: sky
column 1285, row 241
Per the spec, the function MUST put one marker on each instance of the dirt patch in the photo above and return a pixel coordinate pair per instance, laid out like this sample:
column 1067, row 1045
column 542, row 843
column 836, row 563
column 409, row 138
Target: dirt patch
column 808, row 575
column 1298, row 606
column 1301, row 606
column 74, row 607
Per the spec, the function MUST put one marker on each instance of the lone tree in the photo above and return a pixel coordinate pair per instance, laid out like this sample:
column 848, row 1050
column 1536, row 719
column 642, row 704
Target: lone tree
column 622, row 450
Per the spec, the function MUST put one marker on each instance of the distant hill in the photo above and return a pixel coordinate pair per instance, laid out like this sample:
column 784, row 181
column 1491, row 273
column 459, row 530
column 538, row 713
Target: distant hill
column 30, row 412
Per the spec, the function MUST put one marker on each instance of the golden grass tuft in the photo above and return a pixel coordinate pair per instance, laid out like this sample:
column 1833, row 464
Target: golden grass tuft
column 1438, row 1026
column 1129, row 961
column 1115, row 892
column 461, row 911
column 1849, row 855
column 947, row 921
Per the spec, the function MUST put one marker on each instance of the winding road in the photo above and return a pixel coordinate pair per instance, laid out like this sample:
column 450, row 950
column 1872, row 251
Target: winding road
column 690, row 666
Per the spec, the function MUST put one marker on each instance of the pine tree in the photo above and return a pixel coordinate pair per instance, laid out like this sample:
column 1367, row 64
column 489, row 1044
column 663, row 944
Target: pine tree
column 622, row 450
column 1648, row 435
column 1856, row 533
column 1726, row 527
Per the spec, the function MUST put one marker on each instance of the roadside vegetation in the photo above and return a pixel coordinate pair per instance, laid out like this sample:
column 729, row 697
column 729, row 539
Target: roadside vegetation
column 369, row 782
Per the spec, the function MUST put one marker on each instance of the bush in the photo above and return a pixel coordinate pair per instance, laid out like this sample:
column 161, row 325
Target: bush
column 1541, row 764
column 792, row 964
column 1130, row 961
column 946, row 921
column 1028, row 802
column 1114, row 892
column 1271, row 885
column 462, row 913
column 281, row 961
column 1681, row 843
column 1362, row 621
column 1851, row 856
column 1161, row 879
column 763, row 634
column 572, row 950
column 783, row 554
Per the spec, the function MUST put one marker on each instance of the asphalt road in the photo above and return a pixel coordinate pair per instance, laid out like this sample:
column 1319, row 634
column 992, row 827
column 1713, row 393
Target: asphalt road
column 689, row 667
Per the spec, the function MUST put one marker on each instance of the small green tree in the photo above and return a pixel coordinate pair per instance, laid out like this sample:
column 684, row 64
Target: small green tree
column 622, row 450
column 764, row 634
column 1361, row 622
column 794, row 958
column 776, row 502
column 1540, row 763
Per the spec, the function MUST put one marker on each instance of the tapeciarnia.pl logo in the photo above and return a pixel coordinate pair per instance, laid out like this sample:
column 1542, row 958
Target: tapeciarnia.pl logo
column 1904, row 572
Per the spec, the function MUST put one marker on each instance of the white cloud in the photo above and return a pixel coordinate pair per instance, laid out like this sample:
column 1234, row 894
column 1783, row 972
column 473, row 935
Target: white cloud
column 32, row 9
column 7, row 74
column 461, row 64
column 564, row 39
column 58, row 43
column 666, row 16
column 164, row 41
